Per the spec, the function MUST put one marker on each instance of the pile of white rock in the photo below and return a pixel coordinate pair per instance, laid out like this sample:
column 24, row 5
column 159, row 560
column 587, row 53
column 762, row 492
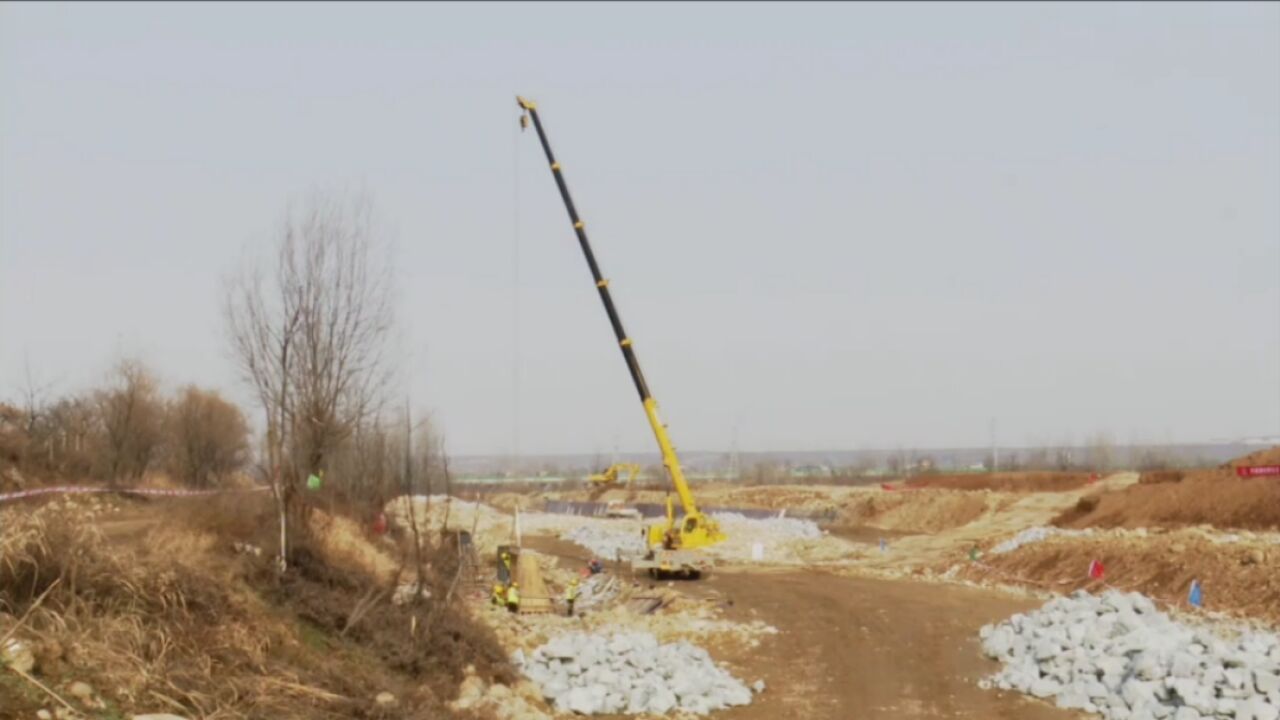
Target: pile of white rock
column 630, row 673
column 1118, row 656
column 609, row 543
column 1034, row 535
column 779, row 528
column 627, row 540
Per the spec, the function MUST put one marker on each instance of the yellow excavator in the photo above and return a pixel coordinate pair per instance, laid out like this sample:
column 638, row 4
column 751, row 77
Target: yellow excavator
column 609, row 477
column 671, row 542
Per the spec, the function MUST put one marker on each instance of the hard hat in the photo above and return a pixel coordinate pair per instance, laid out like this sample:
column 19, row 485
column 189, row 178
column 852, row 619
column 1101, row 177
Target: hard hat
column 515, row 584
column 573, row 581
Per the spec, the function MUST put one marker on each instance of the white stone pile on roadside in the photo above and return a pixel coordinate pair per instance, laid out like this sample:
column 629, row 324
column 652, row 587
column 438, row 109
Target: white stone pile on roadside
column 630, row 673
column 775, row 527
column 609, row 543
column 627, row 541
column 1034, row 535
column 1115, row 654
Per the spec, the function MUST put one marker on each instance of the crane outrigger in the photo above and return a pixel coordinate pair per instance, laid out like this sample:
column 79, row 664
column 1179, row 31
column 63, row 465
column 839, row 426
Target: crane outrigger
column 694, row 529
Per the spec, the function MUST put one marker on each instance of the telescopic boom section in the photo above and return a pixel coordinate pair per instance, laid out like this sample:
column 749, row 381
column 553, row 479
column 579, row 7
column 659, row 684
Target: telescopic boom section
column 669, row 458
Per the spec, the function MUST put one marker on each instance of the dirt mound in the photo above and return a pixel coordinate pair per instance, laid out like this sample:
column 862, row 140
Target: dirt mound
column 1004, row 481
column 777, row 497
column 1241, row 576
column 1270, row 456
column 1205, row 497
column 1155, row 477
column 921, row 511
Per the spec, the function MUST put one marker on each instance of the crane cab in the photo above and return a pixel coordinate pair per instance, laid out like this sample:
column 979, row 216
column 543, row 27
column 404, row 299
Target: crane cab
column 688, row 532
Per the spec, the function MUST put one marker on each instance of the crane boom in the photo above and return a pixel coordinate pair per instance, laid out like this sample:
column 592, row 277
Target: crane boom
column 696, row 529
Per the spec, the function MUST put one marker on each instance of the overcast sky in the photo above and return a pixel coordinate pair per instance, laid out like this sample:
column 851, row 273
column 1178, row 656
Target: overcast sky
column 827, row 226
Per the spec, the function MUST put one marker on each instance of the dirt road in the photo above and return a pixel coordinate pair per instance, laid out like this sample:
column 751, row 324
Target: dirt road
column 852, row 648
column 864, row 648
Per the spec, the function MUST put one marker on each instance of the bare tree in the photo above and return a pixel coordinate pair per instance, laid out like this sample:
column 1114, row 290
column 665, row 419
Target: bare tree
column 14, row 438
column 413, row 514
column 65, row 434
column 1100, row 452
column 34, row 395
column 130, row 411
column 209, row 438
column 309, row 334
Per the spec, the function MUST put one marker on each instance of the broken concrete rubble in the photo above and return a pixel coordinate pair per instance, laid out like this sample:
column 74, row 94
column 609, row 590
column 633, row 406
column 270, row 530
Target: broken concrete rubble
column 1117, row 655
column 629, row 673
column 608, row 542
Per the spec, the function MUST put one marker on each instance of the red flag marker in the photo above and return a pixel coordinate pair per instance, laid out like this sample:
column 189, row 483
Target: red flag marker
column 1096, row 571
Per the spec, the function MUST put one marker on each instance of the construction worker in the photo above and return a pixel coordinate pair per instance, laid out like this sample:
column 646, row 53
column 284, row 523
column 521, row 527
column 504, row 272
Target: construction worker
column 513, row 596
column 595, row 566
column 504, row 570
column 571, row 595
column 499, row 596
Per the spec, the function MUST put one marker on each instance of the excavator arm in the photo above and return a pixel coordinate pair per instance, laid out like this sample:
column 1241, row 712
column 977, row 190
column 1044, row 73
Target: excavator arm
column 695, row 529
column 611, row 475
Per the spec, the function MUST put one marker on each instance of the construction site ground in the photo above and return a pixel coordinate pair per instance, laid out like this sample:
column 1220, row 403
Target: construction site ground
column 891, row 629
column 891, row 649
column 877, row 616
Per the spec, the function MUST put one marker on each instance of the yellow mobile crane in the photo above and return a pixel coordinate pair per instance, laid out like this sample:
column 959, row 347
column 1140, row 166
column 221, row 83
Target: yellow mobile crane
column 694, row 530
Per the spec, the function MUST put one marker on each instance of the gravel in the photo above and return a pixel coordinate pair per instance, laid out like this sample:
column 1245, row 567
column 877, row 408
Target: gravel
column 608, row 543
column 629, row 673
column 1117, row 655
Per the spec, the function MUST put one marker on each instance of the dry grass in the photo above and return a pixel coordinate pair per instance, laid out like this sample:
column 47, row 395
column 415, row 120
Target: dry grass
column 341, row 537
column 165, row 617
column 155, row 624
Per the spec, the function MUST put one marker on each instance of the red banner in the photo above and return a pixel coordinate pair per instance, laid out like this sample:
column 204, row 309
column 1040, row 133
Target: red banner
column 1257, row 470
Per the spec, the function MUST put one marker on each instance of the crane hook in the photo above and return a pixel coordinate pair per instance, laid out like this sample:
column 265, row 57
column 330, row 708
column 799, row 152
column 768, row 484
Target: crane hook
column 525, row 106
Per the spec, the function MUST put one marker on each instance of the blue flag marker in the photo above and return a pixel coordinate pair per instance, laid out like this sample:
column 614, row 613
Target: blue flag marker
column 1195, row 597
column 884, row 546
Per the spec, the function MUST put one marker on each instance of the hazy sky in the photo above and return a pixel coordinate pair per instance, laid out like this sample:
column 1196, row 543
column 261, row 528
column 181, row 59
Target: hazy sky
column 828, row 226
